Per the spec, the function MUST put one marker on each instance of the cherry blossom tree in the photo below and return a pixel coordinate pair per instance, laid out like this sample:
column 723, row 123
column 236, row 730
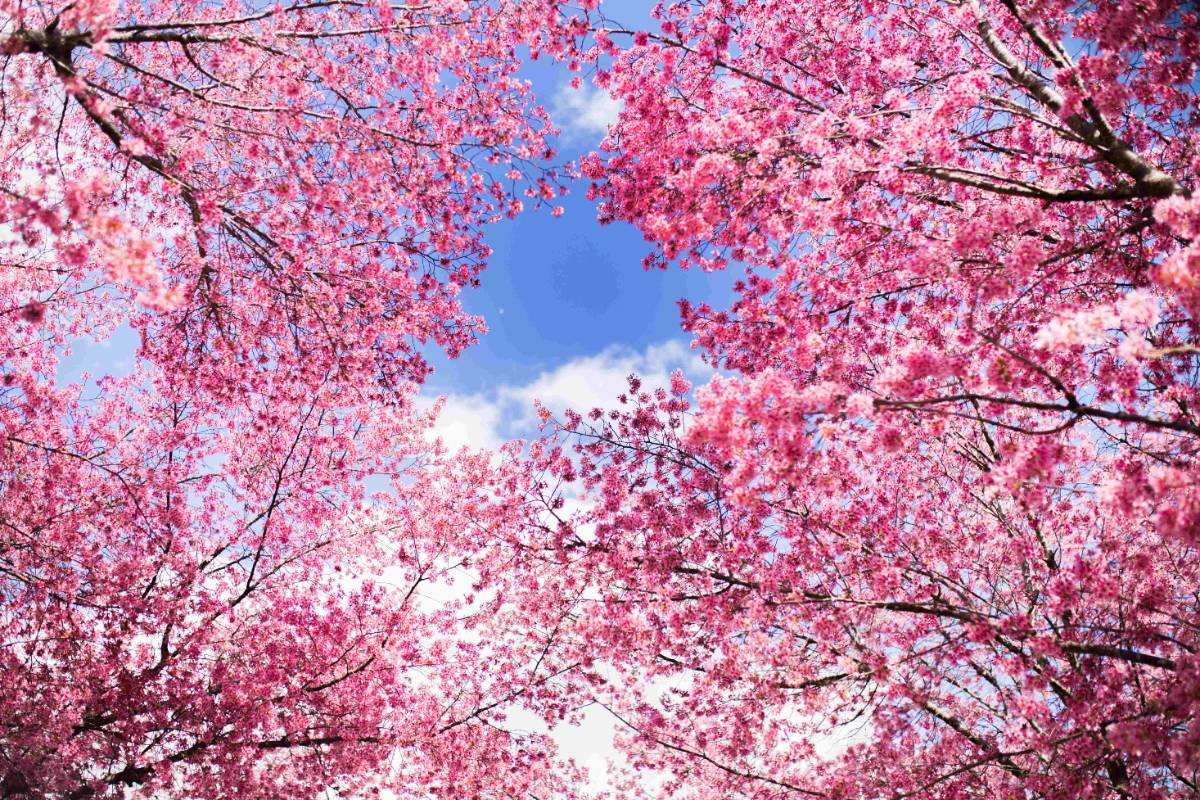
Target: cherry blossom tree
column 214, row 565
column 931, row 532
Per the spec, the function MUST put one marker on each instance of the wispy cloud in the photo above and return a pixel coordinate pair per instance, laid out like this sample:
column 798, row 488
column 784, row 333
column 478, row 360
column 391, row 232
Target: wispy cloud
column 584, row 113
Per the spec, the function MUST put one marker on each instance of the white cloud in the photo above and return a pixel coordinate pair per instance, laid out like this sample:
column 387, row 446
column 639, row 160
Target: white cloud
column 486, row 420
column 467, row 420
column 584, row 113
column 590, row 744
column 595, row 381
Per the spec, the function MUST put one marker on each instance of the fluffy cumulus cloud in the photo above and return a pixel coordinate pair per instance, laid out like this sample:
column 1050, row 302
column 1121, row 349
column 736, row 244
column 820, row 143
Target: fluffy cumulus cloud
column 470, row 420
column 584, row 113
column 484, row 421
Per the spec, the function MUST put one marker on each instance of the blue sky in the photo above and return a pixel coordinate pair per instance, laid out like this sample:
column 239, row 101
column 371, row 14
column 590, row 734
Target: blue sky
column 569, row 307
column 563, row 288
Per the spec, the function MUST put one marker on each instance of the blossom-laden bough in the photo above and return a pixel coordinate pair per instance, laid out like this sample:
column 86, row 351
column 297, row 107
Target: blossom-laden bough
column 933, row 533
column 279, row 203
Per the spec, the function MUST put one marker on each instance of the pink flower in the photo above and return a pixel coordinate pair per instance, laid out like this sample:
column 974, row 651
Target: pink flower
column 34, row 312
